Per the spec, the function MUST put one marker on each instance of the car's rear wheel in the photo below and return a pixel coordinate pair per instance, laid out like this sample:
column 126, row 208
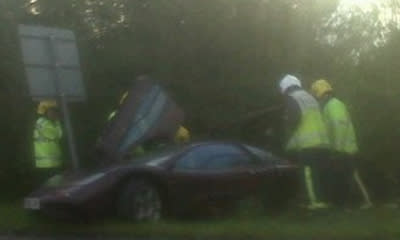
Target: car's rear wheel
column 140, row 201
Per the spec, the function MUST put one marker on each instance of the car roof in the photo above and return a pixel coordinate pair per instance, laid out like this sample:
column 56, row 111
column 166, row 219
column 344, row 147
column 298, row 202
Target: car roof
column 171, row 152
column 200, row 143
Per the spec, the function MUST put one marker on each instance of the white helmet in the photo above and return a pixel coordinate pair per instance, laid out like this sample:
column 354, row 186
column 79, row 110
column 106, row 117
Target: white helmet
column 289, row 81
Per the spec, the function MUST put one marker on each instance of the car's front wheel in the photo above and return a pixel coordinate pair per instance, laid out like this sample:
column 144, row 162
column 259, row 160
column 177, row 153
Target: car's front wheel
column 140, row 201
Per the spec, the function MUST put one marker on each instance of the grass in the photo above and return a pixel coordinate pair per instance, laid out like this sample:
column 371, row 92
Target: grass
column 378, row 223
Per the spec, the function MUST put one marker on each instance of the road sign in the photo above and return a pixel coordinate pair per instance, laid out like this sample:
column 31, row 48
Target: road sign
column 53, row 72
column 51, row 62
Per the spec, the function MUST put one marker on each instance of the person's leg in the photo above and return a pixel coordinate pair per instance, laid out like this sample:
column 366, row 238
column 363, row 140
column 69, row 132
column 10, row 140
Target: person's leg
column 354, row 177
column 44, row 175
column 324, row 175
column 40, row 176
column 308, row 178
column 367, row 201
column 302, row 194
column 301, row 159
column 321, row 175
column 340, row 179
column 312, row 179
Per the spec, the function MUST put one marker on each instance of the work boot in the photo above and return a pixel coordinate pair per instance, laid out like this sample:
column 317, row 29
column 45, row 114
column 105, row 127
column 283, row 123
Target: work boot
column 391, row 206
column 318, row 206
column 366, row 206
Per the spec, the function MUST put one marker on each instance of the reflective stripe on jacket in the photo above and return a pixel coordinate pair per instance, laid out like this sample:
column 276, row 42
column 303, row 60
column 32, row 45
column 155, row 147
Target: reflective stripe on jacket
column 340, row 128
column 311, row 131
column 112, row 115
column 47, row 135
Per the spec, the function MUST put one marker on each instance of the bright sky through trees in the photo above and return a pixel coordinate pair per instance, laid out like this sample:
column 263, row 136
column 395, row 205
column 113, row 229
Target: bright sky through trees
column 359, row 25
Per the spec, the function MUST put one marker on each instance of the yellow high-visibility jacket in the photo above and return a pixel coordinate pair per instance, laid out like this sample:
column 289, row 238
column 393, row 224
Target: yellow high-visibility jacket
column 311, row 131
column 340, row 127
column 47, row 136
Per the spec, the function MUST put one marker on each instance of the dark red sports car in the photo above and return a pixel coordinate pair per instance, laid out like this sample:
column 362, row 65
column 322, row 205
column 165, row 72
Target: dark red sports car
column 179, row 181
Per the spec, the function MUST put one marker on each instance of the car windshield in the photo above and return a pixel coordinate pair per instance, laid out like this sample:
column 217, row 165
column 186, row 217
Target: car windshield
column 156, row 157
column 262, row 154
column 209, row 157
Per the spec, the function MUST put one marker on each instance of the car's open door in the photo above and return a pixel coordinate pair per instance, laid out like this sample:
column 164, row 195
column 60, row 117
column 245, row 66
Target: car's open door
column 147, row 113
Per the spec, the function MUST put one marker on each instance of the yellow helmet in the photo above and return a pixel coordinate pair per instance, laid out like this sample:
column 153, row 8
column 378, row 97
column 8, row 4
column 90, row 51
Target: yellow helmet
column 321, row 87
column 123, row 98
column 182, row 135
column 45, row 105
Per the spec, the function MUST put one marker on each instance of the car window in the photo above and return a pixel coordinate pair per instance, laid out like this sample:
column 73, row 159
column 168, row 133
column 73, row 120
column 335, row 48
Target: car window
column 213, row 157
column 262, row 155
column 156, row 157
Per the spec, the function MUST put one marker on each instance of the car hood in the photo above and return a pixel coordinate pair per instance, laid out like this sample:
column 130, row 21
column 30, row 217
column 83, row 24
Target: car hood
column 78, row 185
column 66, row 180
column 147, row 113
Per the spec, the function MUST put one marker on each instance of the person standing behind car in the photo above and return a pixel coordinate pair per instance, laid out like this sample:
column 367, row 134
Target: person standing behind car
column 47, row 136
column 342, row 138
column 182, row 135
column 306, row 136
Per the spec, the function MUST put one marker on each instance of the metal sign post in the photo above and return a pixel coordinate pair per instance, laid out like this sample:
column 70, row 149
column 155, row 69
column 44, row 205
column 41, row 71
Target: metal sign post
column 64, row 104
column 53, row 71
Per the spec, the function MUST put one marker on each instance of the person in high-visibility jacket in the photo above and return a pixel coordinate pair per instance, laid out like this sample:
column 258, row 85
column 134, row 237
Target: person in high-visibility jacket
column 342, row 136
column 182, row 135
column 47, row 135
column 306, row 136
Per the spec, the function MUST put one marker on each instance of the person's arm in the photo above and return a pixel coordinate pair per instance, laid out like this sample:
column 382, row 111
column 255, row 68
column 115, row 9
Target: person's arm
column 292, row 117
column 330, row 125
column 48, row 130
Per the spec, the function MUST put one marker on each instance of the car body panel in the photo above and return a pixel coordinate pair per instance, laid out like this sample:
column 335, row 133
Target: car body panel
column 183, row 191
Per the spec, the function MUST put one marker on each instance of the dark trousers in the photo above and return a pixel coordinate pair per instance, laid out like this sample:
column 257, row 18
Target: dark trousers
column 339, row 180
column 44, row 174
column 317, row 160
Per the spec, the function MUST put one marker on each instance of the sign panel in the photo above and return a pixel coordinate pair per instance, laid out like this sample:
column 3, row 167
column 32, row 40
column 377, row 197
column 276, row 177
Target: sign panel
column 51, row 62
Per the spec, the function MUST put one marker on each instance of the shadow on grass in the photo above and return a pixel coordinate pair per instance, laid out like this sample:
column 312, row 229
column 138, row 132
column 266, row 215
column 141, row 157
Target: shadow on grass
column 249, row 222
